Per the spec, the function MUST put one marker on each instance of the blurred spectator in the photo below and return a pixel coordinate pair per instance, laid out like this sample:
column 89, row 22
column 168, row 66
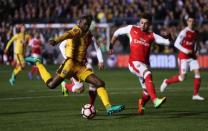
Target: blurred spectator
column 168, row 15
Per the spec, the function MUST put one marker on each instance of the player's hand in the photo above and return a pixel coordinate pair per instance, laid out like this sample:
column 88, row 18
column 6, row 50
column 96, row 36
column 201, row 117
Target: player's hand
column 52, row 42
column 101, row 66
column 167, row 35
column 190, row 52
column 5, row 52
column 110, row 52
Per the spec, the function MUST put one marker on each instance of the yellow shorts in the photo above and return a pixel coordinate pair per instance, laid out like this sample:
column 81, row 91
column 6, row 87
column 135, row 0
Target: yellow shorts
column 69, row 69
column 19, row 59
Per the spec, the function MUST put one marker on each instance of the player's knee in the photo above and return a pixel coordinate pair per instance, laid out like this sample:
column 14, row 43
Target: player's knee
column 182, row 77
column 197, row 76
column 51, row 85
column 23, row 66
column 147, row 74
column 100, row 83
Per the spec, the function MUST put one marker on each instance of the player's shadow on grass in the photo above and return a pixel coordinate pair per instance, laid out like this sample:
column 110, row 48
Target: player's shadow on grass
column 154, row 114
column 181, row 114
column 115, row 116
column 121, row 115
column 25, row 112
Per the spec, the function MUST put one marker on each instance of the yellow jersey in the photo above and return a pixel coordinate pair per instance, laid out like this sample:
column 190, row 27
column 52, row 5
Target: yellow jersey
column 76, row 47
column 19, row 40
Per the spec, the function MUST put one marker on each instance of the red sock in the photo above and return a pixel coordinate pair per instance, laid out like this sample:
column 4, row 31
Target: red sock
column 92, row 95
column 172, row 80
column 197, row 82
column 150, row 87
column 145, row 98
column 33, row 69
column 69, row 87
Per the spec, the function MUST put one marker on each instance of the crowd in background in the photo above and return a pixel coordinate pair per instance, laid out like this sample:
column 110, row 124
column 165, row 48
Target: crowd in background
column 168, row 15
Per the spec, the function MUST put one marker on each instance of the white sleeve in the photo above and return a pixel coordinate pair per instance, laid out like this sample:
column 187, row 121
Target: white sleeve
column 160, row 40
column 62, row 48
column 178, row 42
column 31, row 42
column 122, row 30
column 98, row 51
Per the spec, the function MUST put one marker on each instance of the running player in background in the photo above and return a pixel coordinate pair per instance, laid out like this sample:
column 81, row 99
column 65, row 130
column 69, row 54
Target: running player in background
column 74, row 66
column 77, row 86
column 141, row 40
column 35, row 44
column 187, row 58
column 20, row 41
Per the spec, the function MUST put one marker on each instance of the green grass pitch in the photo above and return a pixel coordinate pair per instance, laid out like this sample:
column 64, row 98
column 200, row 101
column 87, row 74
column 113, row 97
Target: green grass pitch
column 30, row 106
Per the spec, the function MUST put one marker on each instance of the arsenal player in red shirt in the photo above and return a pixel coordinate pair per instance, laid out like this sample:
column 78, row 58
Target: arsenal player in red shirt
column 36, row 46
column 141, row 40
column 187, row 58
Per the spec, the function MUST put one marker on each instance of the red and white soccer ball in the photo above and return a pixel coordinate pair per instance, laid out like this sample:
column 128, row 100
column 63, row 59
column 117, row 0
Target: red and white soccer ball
column 88, row 111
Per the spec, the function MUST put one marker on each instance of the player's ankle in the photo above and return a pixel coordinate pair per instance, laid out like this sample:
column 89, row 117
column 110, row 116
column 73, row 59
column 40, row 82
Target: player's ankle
column 108, row 106
column 155, row 100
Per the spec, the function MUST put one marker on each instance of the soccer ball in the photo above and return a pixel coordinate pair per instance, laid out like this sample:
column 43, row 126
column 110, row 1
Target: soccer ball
column 88, row 111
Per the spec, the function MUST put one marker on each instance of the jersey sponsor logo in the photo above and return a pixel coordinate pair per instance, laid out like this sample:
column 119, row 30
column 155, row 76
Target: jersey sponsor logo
column 135, row 32
column 189, row 43
column 188, row 36
column 149, row 36
column 141, row 42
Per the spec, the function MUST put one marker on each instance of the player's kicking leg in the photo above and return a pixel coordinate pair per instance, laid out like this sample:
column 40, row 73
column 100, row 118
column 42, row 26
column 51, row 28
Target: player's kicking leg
column 51, row 82
column 145, row 97
column 151, row 90
column 141, row 102
column 141, row 70
column 102, row 93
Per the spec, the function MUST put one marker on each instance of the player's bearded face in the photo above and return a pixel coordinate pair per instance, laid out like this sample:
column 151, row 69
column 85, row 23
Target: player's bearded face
column 84, row 25
column 144, row 24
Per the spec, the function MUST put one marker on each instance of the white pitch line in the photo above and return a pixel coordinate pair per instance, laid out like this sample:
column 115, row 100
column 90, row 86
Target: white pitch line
column 74, row 95
column 78, row 95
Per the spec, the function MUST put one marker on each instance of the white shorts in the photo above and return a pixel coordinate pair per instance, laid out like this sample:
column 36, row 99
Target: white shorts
column 36, row 55
column 138, row 68
column 186, row 64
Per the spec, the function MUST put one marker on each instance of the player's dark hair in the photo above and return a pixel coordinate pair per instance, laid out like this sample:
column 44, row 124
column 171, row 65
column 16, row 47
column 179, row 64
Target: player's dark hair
column 88, row 18
column 191, row 15
column 147, row 16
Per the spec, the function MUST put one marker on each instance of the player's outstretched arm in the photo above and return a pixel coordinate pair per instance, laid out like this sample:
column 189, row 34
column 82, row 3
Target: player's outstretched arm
column 71, row 34
column 120, row 31
column 160, row 40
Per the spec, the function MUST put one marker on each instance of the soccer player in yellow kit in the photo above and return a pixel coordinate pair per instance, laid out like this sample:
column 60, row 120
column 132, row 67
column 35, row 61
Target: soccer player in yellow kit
column 19, row 41
column 74, row 65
